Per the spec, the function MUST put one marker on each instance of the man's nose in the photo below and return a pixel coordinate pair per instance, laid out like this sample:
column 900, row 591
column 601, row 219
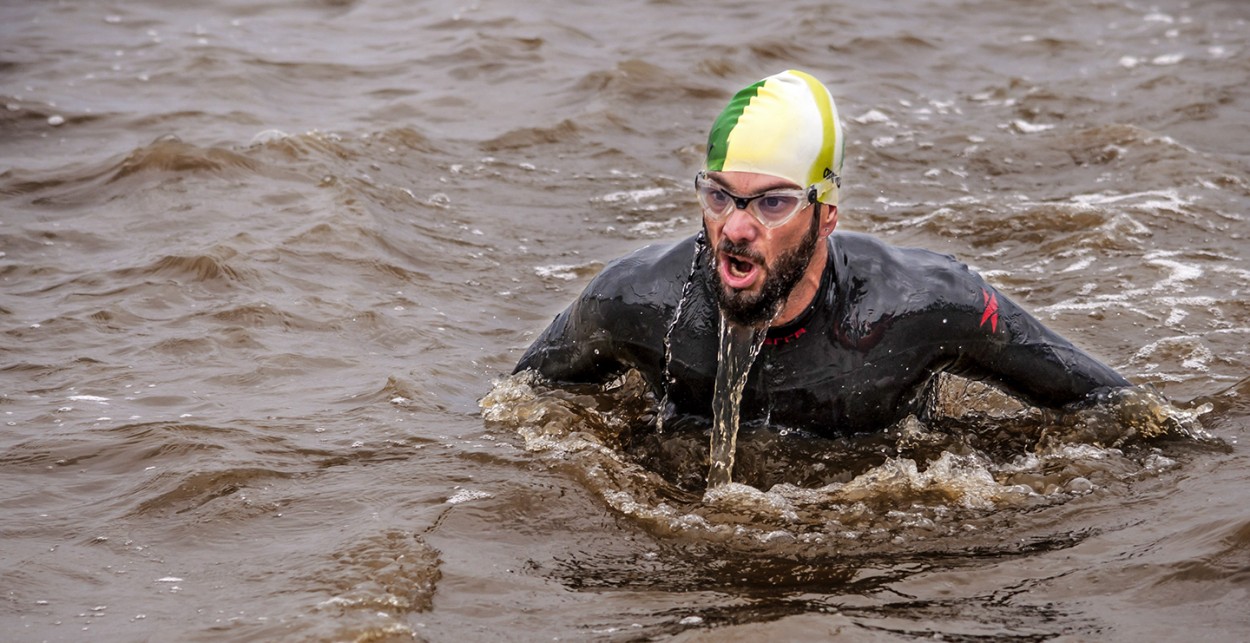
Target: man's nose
column 741, row 226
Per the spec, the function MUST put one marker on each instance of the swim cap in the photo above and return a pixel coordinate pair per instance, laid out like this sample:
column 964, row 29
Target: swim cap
column 786, row 126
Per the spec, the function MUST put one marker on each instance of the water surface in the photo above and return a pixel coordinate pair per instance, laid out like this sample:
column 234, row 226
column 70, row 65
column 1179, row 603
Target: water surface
column 266, row 265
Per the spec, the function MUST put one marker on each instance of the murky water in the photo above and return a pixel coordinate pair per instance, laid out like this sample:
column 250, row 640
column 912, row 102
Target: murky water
column 266, row 266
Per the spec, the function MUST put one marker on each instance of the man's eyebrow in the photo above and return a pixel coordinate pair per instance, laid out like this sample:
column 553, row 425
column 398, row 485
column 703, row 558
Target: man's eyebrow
column 783, row 185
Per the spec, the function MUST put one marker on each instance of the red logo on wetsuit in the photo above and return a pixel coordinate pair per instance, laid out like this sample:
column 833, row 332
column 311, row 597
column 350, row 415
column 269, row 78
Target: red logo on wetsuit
column 777, row 341
column 991, row 310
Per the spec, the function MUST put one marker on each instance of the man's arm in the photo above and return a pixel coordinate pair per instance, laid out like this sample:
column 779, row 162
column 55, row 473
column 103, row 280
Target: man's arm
column 1024, row 355
column 619, row 321
column 576, row 347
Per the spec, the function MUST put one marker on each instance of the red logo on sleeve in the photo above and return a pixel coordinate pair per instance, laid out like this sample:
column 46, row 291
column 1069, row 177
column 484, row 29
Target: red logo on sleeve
column 991, row 310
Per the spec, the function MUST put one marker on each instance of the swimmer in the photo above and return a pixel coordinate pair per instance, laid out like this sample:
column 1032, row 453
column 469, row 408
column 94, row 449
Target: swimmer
column 857, row 330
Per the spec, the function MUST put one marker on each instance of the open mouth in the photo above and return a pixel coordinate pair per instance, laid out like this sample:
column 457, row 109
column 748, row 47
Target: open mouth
column 737, row 272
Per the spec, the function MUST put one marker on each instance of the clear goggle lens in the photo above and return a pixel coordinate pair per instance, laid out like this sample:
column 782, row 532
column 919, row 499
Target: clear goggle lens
column 772, row 208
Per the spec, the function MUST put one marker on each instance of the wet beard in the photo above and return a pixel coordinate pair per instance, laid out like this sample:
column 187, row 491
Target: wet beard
column 753, row 309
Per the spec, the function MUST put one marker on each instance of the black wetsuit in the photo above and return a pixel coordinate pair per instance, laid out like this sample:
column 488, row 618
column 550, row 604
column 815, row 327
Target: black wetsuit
column 885, row 321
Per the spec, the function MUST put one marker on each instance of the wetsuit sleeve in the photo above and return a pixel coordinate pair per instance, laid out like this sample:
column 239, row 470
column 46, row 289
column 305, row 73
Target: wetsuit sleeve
column 619, row 322
column 576, row 347
column 1021, row 353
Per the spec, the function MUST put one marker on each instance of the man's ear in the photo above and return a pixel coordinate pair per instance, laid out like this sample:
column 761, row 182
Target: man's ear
column 828, row 220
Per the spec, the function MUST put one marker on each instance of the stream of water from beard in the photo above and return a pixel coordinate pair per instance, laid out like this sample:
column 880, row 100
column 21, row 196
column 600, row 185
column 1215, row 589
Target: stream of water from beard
column 739, row 345
column 699, row 244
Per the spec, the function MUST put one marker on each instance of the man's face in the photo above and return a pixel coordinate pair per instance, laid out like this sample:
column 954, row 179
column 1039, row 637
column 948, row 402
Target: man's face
column 754, row 268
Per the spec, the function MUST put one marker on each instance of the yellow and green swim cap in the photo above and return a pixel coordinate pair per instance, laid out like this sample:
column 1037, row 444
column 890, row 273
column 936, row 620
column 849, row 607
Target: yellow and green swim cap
column 785, row 125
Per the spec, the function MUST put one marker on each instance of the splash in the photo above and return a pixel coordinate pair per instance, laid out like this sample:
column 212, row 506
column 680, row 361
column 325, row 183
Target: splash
column 979, row 465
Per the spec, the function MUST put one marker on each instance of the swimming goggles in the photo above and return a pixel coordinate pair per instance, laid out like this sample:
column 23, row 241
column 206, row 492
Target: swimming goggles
column 772, row 208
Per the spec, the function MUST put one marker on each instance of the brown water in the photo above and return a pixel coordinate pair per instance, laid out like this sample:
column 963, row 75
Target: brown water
column 266, row 264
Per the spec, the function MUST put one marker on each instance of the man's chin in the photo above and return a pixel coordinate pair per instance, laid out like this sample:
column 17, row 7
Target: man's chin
column 744, row 308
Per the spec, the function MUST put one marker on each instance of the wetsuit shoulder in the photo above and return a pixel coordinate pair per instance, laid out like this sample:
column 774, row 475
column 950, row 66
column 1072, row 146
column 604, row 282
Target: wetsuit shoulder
column 864, row 257
column 934, row 305
column 618, row 321
column 650, row 276
column 877, row 283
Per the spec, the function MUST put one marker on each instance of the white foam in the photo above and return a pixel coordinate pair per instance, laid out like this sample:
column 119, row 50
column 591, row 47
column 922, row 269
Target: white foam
column 1147, row 351
column 468, row 495
column 1025, row 127
column 1196, row 300
column 1170, row 197
column 658, row 228
column 88, row 398
column 1199, row 359
column 633, row 196
column 1126, row 223
column 742, row 496
column 1176, row 317
column 1100, row 302
column 1176, row 281
column 1080, row 264
column 872, row 116
column 1179, row 272
column 567, row 272
column 268, row 136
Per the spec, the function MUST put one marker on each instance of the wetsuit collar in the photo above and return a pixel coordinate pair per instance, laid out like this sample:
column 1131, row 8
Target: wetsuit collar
column 796, row 328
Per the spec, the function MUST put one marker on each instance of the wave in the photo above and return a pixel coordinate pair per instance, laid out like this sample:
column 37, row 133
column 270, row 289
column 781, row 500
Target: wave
column 634, row 80
column 333, row 146
column 561, row 133
column 192, row 491
column 197, row 268
column 170, row 155
column 167, row 158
